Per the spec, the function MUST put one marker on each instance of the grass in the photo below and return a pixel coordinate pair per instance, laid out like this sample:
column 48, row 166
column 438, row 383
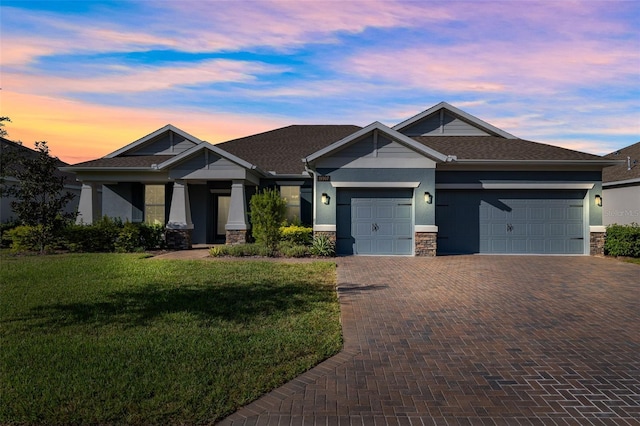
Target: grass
column 116, row 338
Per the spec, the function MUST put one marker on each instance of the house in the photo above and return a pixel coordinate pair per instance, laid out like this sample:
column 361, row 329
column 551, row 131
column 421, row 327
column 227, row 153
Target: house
column 6, row 212
column 621, row 187
column 441, row 182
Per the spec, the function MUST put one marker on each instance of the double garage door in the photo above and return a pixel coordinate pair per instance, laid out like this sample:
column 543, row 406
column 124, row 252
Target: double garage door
column 375, row 222
column 510, row 221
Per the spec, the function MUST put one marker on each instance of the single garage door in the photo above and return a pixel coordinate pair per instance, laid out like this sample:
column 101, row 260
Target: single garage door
column 502, row 221
column 375, row 222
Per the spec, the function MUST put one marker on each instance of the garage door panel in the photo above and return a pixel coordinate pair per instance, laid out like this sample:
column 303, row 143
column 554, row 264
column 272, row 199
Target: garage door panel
column 381, row 222
column 510, row 221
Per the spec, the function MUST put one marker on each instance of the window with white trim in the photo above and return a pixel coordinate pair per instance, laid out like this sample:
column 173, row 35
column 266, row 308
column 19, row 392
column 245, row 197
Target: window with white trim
column 292, row 196
column 154, row 204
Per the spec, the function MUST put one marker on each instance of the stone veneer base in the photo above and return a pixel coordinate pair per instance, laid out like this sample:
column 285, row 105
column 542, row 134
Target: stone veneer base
column 426, row 243
column 235, row 237
column 179, row 239
column 596, row 243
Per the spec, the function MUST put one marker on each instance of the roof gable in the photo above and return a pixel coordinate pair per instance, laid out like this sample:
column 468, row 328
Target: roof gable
column 390, row 136
column 168, row 140
column 444, row 119
column 203, row 147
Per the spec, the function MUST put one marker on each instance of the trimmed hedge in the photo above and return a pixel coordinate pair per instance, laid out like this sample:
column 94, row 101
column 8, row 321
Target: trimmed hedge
column 623, row 240
column 105, row 235
column 301, row 235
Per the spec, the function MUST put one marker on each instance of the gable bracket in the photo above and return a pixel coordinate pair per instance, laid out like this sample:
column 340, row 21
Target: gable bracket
column 171, row 141
column 442, row 121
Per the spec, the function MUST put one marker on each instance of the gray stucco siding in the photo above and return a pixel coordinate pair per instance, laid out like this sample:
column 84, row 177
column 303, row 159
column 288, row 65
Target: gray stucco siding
column 124, row 200
column 424, row 214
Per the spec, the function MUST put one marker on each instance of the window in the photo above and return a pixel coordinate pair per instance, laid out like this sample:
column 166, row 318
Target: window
column 292, row 195
column 154, row 204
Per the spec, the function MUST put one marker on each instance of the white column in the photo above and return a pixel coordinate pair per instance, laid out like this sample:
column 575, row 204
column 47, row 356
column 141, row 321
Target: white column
column 89, row 205
column 237, row 220
column 180, row 211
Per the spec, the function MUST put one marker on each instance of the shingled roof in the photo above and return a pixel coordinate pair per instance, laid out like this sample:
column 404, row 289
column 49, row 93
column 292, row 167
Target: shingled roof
column 7, row 146
column 282, row 150
column 138, row 161
column 630, row 170
column 501, row 149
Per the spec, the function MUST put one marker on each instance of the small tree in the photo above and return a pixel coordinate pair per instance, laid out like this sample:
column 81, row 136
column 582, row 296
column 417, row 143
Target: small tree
column 268, row 210
column 39, row 194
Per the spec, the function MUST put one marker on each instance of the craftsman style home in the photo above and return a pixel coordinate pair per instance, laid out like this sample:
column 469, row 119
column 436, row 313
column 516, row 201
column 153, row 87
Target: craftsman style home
column 441, row 182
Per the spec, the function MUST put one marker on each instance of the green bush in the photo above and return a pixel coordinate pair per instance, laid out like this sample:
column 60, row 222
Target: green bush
column 151, row 236
column 291, row 249
column 4, row 228
column 267, row 214
column 623, row 240
column 24, row 238
column 322, row 246
column 128, row 239
column 300, row 235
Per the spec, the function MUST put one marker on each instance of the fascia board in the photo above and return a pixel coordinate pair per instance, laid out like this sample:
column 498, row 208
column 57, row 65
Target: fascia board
column 150, row 136
column 107, row 169
column 621, row 182
column 468, row 117
column 423, row 149
column 603, row 163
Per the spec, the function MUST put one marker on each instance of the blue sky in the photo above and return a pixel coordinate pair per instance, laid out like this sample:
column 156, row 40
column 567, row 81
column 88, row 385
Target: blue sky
column 91, row 76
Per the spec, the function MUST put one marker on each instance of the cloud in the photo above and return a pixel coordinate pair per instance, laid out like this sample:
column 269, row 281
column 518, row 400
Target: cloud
column 123, row 79
column 79, row 131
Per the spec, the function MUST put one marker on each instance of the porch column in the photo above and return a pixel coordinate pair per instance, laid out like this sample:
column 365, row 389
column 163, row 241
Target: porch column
column 179, row 226
column 237, row 222
column 88, row 205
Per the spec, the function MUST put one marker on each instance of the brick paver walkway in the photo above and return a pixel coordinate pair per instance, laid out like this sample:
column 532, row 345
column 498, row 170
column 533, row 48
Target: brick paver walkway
column 487, row 340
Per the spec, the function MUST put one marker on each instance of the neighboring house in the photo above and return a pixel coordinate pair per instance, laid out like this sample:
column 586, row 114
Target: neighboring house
column 71, row 185
column 441, row 182
column 621, row 187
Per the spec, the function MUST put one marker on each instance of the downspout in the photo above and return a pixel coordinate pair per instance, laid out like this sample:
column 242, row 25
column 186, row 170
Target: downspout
column 315, row 176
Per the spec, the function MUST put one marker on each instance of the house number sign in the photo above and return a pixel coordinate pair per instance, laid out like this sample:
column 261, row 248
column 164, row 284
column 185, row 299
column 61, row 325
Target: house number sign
column 324, row 178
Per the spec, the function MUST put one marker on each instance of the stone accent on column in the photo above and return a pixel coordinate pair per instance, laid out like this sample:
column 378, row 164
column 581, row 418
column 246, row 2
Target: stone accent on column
column 235, row 237
column 425, row 243
column 596, row 243
column 178, row 239
column 88, row 206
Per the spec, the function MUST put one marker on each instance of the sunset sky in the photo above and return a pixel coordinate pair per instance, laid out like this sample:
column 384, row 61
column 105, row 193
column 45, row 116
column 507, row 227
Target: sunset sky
column 91, row 76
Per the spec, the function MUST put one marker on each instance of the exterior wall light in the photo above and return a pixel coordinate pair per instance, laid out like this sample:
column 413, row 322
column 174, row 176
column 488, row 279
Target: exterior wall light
column 428, row 198
column 325, row 198
column 598, row 201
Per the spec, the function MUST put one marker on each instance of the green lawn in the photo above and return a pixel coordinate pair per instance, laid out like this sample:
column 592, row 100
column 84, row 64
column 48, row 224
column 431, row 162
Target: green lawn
column 116, row 338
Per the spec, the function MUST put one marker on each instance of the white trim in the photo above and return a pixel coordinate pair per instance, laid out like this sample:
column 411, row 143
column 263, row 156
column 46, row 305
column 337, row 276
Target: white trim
column 324, row 228
column 621, row 182
column 425, row 228
column 482, row 125
column 375, row 184
column 514, row 185
column 397, row 136
column 597, row 228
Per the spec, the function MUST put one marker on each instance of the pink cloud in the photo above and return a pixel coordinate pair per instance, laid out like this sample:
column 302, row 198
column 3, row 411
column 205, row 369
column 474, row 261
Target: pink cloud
column 123, row 79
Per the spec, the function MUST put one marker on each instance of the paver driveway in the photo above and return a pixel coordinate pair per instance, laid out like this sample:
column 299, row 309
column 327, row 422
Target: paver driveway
column 474, row 340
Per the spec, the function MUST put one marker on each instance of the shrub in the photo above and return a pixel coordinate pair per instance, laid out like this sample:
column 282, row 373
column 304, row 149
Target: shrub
column 24, row 238
column 101, row 236
column 300, row 235
column 128, row 239
column 217, row 251
column 4, row 228
column 151, row 236
column 623, row 240
column 322, row 246
column 291, row 249
column 267, row 214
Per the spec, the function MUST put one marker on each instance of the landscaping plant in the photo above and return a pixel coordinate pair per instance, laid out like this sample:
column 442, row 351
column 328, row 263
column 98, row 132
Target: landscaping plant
column 267, row 214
